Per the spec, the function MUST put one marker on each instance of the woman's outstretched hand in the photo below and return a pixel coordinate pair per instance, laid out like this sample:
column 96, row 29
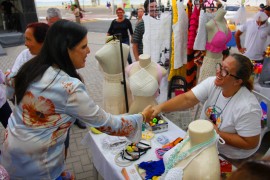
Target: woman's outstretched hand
column 156, row 111
column 147, row 113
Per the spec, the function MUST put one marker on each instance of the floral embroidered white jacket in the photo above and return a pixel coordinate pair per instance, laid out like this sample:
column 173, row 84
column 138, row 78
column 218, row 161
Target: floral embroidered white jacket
column 34, row 139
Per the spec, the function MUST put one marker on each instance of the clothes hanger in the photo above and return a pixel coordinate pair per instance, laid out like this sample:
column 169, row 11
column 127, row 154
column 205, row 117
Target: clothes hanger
column 210, row 4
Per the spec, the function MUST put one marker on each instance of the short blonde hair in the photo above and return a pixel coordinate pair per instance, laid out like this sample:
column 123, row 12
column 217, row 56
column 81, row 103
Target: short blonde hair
column 141, row 8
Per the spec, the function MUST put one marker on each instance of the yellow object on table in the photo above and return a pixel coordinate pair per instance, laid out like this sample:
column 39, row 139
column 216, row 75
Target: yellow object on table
column 95, row 131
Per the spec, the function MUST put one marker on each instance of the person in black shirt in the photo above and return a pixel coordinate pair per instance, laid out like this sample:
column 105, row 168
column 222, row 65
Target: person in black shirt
column 6, row 7
column 121, row 25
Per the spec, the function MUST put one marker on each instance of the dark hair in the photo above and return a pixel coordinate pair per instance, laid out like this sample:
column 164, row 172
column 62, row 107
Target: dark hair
column 252, row 170
column 245, row 69
column 61, row 36
column 146, row 5
column 39, row 30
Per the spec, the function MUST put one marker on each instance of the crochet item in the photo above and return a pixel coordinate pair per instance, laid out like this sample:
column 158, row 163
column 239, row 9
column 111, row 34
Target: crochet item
column 153, row 168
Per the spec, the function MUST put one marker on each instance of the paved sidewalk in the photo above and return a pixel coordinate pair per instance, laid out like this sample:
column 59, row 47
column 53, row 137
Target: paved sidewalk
column 79, row 158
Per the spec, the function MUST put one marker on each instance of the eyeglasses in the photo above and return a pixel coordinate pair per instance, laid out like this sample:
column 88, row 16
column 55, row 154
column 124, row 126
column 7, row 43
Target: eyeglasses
column 224, row 72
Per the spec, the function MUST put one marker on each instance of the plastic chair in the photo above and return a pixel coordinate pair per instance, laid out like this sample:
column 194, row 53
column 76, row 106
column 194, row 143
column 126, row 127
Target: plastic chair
column 265, row 103
column 177, row 83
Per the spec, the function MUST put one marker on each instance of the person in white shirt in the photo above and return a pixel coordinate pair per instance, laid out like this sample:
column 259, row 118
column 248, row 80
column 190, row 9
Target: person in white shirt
column 256, row 31
column 229, row 104
column 35, row 34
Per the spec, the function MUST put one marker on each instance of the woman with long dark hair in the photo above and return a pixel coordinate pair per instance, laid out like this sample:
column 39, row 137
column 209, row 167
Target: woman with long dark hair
column 49, row 96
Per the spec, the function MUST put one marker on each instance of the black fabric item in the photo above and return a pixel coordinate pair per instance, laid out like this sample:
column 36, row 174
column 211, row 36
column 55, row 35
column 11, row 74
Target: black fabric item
column 5, row 112
column 67, row 139
column 80, row 124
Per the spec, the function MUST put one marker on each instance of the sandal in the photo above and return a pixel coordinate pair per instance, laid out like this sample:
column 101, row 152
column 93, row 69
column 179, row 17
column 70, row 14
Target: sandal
column 66, row 175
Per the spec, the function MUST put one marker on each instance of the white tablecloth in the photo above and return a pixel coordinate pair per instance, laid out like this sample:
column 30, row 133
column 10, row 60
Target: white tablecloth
column 104, row 160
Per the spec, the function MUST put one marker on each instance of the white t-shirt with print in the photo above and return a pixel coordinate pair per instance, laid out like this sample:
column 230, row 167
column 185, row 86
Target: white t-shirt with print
column 239, row 114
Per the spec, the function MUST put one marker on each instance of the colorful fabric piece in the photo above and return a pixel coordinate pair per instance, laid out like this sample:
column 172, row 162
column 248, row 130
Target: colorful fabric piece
column 153, row 168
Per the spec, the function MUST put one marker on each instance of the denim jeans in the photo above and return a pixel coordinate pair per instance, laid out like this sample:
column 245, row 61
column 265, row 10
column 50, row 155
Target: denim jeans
column 126, row 41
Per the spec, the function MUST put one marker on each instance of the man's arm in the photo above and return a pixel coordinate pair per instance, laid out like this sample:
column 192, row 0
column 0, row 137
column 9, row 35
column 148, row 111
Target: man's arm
column 238, row 41
column 137, row 37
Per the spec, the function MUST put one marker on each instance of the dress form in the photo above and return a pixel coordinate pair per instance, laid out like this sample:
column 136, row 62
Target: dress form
column 206, row 164
column 218, row 23
column 153, row 69
column 109, row 58
column 211, row 29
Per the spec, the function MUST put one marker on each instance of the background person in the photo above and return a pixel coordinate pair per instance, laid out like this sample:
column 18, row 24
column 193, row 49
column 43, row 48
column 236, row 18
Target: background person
column 50, row 96
column 252, row 170
column 140, row 15
column 53, row 15
column 76, row 13
column 6, row 7
column 229, row 104
column 35, row 34
column 121, row 25
column 257, row 31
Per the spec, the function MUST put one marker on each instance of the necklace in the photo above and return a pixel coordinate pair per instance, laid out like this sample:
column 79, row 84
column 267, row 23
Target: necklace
column 216, row 117
column 175, row 157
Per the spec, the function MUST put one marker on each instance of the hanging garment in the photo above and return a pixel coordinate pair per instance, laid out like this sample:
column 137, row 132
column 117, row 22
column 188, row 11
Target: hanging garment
column 193, row 26
column 201, row 38
column 164, row 35
column 208, row 68
column 151, row 40
column 240, row 16
column 191, row 66
column 180, row 30
column 180, row 71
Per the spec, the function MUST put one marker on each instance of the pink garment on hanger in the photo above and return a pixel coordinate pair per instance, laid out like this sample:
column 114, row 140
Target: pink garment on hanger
column 219, row 41
column 193, row 26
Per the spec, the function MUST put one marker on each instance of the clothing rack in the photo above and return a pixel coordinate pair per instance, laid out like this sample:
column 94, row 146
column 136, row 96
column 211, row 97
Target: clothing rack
column 119, row 37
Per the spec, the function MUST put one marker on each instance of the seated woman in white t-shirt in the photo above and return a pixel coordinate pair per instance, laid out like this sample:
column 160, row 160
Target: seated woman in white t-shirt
column 229, row 104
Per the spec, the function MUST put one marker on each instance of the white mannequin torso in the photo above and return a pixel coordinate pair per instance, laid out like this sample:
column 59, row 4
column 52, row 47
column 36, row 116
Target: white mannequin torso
column 109, row 57
column 206, row 164
column 152, row 68
column 213, row 26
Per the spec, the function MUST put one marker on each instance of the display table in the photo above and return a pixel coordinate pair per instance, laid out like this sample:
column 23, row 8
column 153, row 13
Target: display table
column 104, row 160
